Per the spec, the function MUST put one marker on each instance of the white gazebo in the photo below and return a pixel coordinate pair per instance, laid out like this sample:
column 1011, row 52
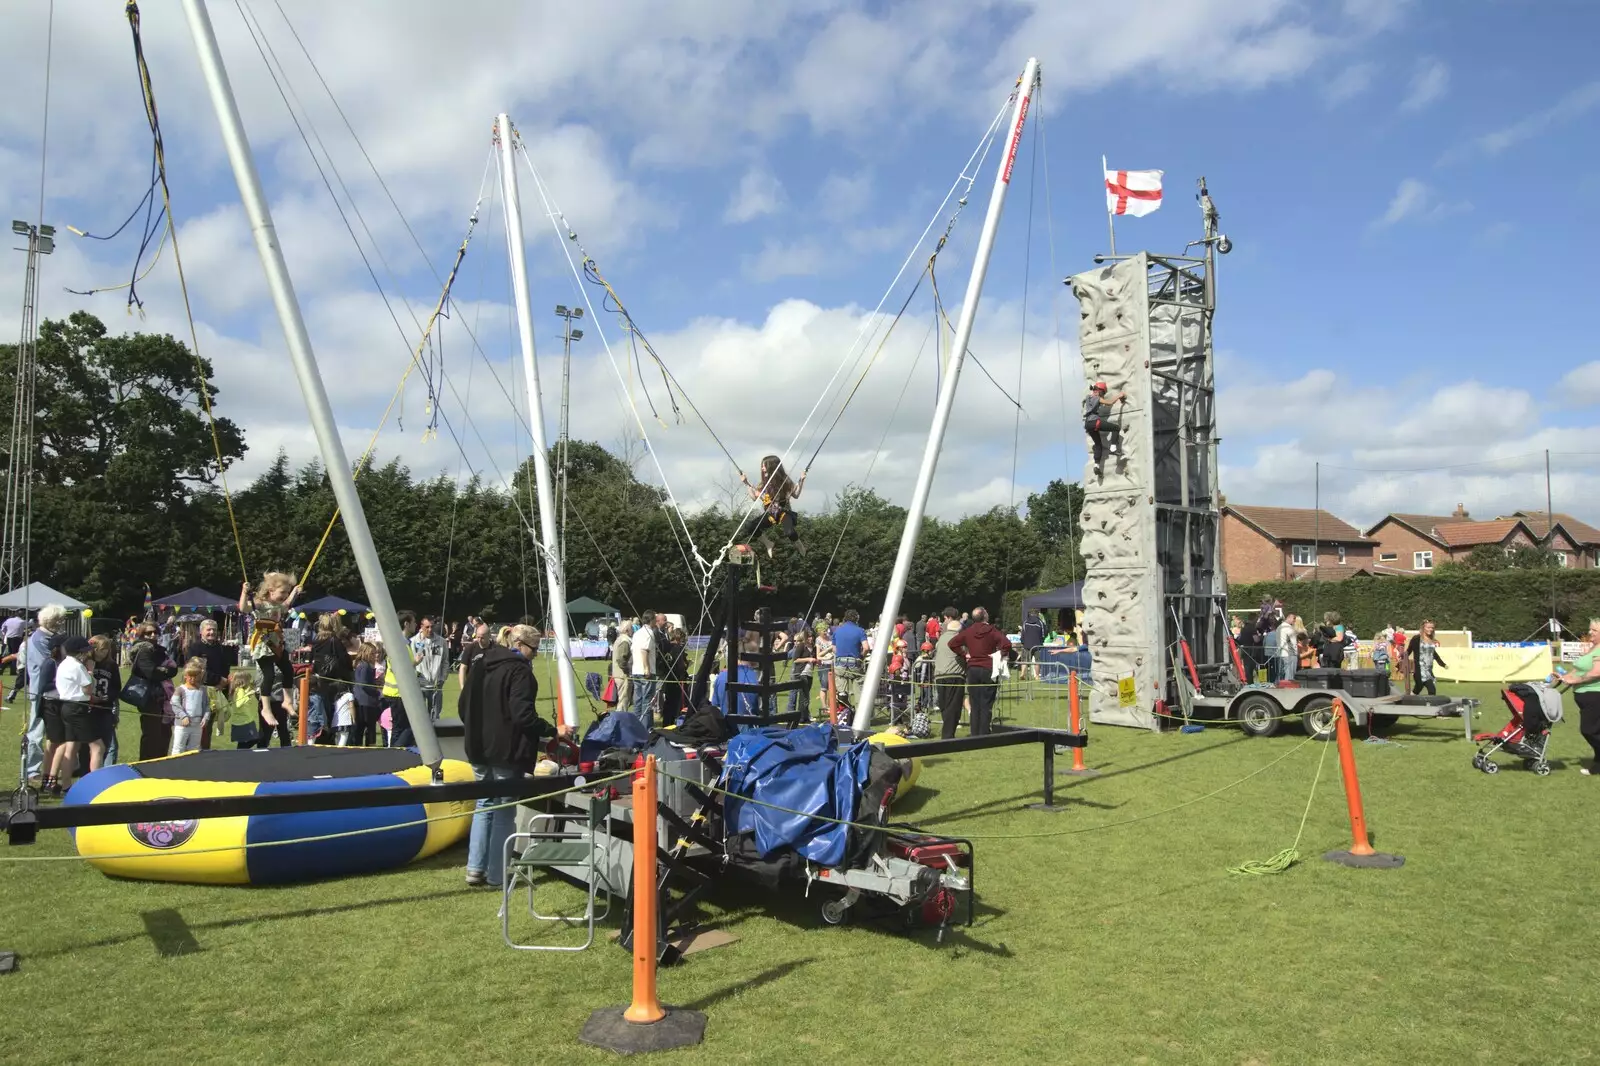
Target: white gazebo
column 35, row 595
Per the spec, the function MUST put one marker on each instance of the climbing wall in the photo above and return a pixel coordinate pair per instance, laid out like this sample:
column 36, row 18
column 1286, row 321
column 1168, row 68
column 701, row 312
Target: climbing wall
column 1122, row 593
column 1151, row 518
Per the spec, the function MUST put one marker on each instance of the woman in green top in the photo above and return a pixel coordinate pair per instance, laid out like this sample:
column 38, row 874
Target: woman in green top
column 1584, row 680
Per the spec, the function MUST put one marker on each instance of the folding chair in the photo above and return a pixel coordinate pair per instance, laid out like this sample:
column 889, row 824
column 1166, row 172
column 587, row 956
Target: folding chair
column 559, row 847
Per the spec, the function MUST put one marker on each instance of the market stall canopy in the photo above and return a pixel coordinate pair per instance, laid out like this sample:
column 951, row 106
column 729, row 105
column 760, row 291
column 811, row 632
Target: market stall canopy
column 1067, row 596
column 194, row 599
column 333, row 603
column 37, row 594
column 587, row 605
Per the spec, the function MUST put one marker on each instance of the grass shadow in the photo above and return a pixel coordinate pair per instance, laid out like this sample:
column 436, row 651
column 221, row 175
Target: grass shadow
column 166, row 930
column 765, row 977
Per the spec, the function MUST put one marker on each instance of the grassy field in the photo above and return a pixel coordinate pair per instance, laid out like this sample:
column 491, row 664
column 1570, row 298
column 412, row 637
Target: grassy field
column 1100, row 938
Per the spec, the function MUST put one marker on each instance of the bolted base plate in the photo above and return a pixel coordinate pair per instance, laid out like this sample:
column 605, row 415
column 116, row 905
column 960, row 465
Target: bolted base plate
column 1375, row 861
column 608, row 1029
column 1085, row 772
column 1053, row 808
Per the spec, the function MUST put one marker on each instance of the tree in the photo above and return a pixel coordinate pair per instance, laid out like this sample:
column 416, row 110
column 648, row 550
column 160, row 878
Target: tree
column 1056, row 516
column 122, row 446
column 1491, row 558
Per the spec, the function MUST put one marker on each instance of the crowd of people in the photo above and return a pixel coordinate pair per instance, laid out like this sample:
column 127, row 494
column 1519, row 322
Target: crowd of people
column 1277, row 644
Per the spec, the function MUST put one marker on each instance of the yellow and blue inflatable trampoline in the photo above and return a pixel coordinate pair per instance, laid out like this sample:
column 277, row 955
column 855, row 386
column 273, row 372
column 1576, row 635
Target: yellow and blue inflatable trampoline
column 269, row 848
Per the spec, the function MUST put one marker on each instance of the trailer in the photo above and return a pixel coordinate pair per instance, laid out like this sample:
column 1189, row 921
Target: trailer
column 1262, row 710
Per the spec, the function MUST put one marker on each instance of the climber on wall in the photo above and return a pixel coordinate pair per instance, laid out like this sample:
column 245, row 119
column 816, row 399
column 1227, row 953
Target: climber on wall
column 1105, row 434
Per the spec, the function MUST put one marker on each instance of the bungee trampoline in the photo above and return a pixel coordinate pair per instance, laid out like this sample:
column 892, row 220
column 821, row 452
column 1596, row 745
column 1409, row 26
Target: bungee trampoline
column 268, row 848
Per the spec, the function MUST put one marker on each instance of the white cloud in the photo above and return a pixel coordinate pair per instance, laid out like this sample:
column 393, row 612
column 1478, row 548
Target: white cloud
column 1580, row 386
column 1365, row 450
column 1571, row 107
column 844, row 196
column 1414, row 201
column 1349, row 82
column 1428, row 85
column 759, row 193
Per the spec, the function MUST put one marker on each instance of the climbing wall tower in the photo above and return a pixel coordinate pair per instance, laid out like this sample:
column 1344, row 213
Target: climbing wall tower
column 1151, row 527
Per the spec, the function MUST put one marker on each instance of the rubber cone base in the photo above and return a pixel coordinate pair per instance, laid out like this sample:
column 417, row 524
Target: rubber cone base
column 607, row 1028
column 1376, row 861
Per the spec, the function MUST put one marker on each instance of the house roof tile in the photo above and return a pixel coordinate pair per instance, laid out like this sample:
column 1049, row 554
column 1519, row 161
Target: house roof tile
column 1299, row 524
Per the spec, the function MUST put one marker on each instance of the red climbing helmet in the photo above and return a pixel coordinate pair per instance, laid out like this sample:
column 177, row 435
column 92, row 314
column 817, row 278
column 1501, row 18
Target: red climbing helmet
column 1099, row 386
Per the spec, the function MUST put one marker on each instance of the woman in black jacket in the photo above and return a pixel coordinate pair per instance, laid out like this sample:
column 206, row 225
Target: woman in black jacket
column 151, row 662
column 333, row 673
column 502, row 727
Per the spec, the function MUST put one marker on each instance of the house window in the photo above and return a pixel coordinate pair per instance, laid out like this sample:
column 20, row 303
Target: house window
column 1303, row 555
column 1341, row 555
column 1561, row 559
column 1388, row 557
column 1422, row 560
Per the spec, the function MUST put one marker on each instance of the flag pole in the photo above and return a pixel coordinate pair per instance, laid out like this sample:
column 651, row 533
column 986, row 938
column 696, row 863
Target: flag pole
column 1111, row 219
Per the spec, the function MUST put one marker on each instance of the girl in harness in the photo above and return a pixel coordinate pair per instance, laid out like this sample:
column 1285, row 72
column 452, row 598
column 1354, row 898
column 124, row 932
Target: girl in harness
column 775, row 493
column 269, row 606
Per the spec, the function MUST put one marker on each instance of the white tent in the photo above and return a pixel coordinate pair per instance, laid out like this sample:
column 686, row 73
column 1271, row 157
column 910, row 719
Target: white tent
column 36, row 595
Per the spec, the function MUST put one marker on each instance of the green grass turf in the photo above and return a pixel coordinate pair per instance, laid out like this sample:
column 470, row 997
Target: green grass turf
column 1128, row 944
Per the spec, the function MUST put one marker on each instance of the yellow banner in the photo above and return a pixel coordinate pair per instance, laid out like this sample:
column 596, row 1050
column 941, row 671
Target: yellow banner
column 1497, row 665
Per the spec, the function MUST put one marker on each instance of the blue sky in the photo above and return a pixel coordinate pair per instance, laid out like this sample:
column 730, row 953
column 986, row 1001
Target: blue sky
column 1410, row 188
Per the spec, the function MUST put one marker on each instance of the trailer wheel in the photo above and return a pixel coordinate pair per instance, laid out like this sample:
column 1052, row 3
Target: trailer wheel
column 1316, row 718
column 1259, row 716
column 836, row 911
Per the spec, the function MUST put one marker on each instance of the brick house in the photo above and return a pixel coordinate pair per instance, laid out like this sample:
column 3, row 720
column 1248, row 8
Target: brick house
column 1291, row 543
column 1576, row 543
column 1417, row 543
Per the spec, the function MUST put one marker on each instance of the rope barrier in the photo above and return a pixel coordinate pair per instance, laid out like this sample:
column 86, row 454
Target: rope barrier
column 1290, row 855
column 587, row 786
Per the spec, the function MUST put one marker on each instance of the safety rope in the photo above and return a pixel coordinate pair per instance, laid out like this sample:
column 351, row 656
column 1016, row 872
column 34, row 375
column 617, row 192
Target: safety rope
column 587, row 786
column 938, row 304
column 1290, row 855
column 147, row 89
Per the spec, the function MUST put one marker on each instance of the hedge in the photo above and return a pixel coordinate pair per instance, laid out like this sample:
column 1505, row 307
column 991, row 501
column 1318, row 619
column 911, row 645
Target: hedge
column 1507, row 605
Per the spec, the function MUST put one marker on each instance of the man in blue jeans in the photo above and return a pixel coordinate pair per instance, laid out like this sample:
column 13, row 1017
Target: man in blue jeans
column 500, row 717
column 848, row 637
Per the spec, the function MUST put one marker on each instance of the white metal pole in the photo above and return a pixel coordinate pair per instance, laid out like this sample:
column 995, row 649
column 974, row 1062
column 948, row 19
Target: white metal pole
column 309, row 377
column 947, row 399
column 553, row 563
column 1111, row 218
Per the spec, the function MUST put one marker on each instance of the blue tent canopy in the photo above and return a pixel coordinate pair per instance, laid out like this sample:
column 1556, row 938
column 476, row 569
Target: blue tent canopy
column 195, row 598
column 333, row 603
column 1067, row 596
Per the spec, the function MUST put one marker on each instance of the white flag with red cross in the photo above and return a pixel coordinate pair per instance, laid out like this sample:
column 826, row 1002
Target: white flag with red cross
column 1132, row 192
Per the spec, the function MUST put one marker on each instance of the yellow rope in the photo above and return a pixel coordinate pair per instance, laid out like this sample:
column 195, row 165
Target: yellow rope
column 148, row 91
column 416, row 359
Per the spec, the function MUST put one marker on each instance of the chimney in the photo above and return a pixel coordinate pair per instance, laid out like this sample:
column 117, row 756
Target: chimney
column 1461, row 513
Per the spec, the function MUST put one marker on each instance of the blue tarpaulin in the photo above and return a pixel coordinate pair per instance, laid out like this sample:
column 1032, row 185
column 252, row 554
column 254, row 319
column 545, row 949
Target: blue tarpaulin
column 798, row 770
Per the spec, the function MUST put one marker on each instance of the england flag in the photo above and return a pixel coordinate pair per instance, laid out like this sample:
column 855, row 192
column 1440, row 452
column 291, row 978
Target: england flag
column 1132, row 192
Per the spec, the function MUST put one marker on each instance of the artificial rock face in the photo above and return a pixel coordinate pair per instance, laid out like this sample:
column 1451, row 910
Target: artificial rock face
column 1122, row 587
column 1150, row 519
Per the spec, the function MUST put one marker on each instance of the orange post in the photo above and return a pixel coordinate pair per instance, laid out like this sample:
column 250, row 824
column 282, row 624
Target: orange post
column 1072, row 702
column 646, row 1007
column 833, row 698
column 305, row 703
column 1359, row 842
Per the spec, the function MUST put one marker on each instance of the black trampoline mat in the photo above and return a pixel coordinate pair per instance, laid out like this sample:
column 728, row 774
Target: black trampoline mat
column 280, row 764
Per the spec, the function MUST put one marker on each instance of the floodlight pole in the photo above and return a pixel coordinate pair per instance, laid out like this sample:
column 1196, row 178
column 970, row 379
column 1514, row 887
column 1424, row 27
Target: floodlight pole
column 306, row 372
column 947, row 397
column 554, row 565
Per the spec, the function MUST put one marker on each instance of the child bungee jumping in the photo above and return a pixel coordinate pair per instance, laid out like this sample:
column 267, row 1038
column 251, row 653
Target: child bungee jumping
column 774, row 494
column 269, row 608
column 1105, row 435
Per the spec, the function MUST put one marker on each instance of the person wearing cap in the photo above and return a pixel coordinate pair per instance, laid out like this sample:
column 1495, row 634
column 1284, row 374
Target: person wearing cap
column 74, row 689
column 1103, row 433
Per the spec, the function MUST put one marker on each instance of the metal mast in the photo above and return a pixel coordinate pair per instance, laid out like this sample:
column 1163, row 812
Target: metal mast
column 947, row 396
column 309, row 376
column 15, row 538
column 554, row 564
column 564, row 427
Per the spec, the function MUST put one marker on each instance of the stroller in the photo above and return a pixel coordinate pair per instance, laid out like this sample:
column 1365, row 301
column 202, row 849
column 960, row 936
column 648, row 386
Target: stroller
column 1535, row 707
